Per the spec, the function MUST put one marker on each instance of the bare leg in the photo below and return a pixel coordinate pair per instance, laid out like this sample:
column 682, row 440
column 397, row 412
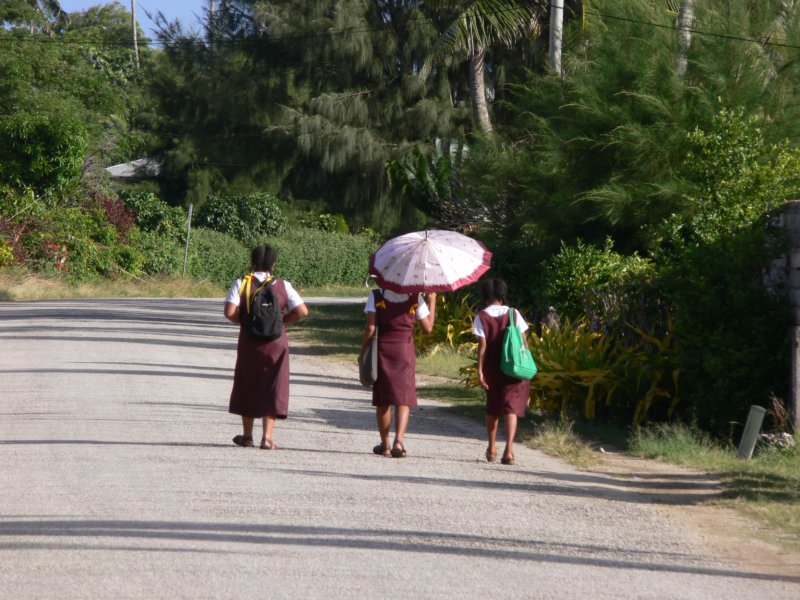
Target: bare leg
column 511, row 432
column 245, row 440
column 247, row 426
column 383, row 415
column 401, row 414
column 268, row 424
column 491, row 429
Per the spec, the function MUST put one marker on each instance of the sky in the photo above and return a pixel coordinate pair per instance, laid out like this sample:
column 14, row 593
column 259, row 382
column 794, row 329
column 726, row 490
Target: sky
column 185, row 10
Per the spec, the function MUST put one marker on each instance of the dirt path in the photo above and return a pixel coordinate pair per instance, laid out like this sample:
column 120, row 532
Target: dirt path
column 119, row 479
column 686, row 497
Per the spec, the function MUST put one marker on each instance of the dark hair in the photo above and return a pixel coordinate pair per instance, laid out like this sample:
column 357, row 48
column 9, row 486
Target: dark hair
column 262, row 258
column 494, row 289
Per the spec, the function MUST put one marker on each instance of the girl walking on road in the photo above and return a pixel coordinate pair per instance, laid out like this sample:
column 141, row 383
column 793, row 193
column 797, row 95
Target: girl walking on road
column 261, row 377
column 394, row 315
column 506, row 396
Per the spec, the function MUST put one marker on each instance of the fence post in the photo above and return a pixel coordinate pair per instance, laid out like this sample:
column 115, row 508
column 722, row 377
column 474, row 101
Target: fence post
column 188, row 231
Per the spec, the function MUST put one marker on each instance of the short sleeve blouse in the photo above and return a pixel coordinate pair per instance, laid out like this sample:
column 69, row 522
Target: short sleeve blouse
column 498, row 310
column 422, row 309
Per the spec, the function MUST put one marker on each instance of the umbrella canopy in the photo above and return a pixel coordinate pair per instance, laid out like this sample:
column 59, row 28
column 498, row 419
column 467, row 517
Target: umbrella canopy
column 429, row 261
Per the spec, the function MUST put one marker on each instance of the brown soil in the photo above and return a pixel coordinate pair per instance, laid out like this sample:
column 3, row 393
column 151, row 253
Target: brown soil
column 688, row 497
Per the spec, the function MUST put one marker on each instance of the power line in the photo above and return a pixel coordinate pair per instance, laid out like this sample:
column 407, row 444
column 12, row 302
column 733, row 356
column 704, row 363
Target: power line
column 696, row 31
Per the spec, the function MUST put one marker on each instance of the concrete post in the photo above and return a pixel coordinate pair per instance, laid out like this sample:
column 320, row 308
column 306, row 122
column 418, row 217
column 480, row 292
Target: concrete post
column 790, row 219
column 751, row 430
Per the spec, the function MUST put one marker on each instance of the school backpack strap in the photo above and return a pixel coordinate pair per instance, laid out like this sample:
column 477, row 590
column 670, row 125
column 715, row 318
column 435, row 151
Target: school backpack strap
column 246, row 285
column 268, row 281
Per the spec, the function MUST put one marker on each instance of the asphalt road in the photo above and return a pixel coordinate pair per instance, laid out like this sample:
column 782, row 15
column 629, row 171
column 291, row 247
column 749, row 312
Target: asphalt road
column 118, row 480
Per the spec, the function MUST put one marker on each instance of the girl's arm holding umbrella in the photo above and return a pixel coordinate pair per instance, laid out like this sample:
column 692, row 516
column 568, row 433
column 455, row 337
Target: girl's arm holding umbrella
column 427, row 322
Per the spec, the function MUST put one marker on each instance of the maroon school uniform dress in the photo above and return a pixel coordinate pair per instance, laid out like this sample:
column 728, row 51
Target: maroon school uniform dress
column 397, row 362
column 261, row 377
column 506, row 395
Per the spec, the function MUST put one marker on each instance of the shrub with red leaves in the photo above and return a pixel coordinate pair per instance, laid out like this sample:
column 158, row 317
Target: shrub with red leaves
column 13, row 232
column 118, row 214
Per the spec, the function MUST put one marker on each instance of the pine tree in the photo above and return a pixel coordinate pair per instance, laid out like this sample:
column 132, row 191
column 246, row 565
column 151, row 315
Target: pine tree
column 313, row 96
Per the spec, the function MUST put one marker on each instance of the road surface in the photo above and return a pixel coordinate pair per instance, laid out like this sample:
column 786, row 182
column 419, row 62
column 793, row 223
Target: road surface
column 118, row 479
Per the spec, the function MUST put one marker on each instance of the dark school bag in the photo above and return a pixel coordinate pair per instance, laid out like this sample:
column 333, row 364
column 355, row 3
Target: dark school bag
column 262, row 318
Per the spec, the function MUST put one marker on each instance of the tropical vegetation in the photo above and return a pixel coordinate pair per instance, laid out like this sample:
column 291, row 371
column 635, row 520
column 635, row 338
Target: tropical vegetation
column 629, row 196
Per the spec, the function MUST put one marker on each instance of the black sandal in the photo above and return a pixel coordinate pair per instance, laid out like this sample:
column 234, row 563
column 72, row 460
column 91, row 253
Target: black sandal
column 398, row 450
column 382, row 450
column 268, row 444
column 246, row 441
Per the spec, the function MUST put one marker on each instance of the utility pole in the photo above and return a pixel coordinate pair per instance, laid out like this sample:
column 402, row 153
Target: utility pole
column 211, row 8
column 556, row 34
column 135, row 34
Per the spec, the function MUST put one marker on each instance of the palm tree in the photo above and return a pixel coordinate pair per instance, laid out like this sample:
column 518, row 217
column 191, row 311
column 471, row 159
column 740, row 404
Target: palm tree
column 685, row 24
column 49, row 10
column 479, row 25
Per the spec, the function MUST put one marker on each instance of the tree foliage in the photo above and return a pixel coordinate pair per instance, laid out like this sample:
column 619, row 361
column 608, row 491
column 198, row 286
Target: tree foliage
column 310, row 98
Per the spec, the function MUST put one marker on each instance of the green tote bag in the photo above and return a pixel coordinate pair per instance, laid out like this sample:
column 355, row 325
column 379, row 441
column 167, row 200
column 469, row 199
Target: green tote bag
column 515, row 359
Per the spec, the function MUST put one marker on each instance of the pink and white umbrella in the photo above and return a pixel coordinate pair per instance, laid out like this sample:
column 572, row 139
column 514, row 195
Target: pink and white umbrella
column 429, row 261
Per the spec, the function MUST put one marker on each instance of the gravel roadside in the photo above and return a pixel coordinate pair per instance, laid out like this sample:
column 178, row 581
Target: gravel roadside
column 119, row 478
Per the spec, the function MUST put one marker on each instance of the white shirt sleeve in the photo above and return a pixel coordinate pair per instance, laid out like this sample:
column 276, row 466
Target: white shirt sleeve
column 498, row 311
column 370, row 307
column 520, row 322
column 294, row 299
column 477, row 327
column 422, row 309
column 233, row 294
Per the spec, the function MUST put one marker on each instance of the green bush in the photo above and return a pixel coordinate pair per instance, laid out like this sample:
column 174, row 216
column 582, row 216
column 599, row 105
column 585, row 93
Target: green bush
column 6, row 254
column 324, row 222
column 609, row 288
column 161, row 253
column 733, row 349
column 452, row 328
column 41, row 151
column 216, row 257
column 246, row 218
column 77, row 243
column 309, row 257
column 732, row 330
column 154, row 215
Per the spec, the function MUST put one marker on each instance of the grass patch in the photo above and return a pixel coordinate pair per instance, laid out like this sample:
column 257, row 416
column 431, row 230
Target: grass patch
column 442, row 362
column 557, row 438
column 461, row 401
column 332, row 330
column 335, row 292
column 24, row 286
column 766, row 487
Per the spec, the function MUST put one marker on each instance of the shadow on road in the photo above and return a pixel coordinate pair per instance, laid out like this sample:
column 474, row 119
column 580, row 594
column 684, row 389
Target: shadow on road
column 87, row 534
